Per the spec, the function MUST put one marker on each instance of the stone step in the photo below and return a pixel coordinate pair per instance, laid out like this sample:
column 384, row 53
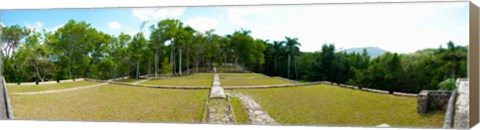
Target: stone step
column 217, row 92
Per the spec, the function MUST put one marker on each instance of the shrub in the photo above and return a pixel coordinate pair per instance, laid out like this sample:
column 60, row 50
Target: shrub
column 448, row 84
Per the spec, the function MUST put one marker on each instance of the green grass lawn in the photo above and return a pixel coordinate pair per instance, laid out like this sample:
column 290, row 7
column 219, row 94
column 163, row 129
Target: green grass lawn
column 335, row 106
column 179, row 82
column 240, row 75
column 240, row 111
column 114, row 103
column 129, row 80
column 252, row 82
column 56, row 86
column 197, row 76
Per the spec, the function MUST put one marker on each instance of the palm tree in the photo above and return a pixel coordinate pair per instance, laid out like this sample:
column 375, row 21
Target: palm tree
column 278, row 47
column 291, row 45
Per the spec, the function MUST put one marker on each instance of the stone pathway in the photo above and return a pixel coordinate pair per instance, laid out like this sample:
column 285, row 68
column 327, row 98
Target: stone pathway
column 218, row 107
column 462, row 105
column 217, row 90
column 141, row 81
column 255, row 113
column 61, row 90
column 218, row 111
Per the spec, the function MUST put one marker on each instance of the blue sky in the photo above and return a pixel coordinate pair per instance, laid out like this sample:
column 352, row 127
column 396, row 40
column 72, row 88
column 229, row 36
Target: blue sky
column 403, row 28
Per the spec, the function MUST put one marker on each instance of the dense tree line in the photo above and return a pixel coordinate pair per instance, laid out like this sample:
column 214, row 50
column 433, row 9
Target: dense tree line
column 78, row 50
column 421, row 70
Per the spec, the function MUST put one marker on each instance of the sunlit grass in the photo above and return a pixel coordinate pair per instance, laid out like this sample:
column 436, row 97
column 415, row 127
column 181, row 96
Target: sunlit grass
column 240, row 75
column 55, row 86
column 114, row 103
column 179, row 82
column 197, row 76
column 335, row 106
column 240, row 111
column 252, row 82
column 129, row 80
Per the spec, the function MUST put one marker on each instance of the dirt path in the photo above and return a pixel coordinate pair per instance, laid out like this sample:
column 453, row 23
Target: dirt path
column 141, row 81
column 60, row 90
column 255, row 113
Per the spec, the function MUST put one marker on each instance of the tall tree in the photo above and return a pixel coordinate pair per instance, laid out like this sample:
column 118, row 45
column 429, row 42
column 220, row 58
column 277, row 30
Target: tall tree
column 9, row 40
column 70, row 43
column 136, row 47
column 278, row 47
column 291, row 45
column 36, row 55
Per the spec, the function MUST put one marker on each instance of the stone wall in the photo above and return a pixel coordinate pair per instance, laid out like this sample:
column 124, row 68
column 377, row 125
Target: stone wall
column 430, row 100
column 6, row 109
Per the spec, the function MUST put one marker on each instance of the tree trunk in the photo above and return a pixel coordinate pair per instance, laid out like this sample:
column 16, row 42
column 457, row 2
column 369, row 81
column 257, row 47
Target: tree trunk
column 296, row 70
column 138, row 69
column 38, row 73
column 174, row 62
column 275, row 65
column 171, row 62
column 288, row 66
column 196, row 65
column 188, row 62
column 180, row 60
column 156, row 63
column 235, row 64
column 224, row 62
column 70, row 65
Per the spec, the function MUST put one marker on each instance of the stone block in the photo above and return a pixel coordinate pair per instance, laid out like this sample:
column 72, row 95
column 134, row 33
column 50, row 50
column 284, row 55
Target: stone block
column 429, row 100
column 217, row 92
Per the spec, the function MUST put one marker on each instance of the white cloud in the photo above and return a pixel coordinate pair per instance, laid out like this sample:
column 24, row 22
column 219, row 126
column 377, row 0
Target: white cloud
column 34, row 26
column 2, row 25
column 146, row 14
column 391, row 27
column 237, row 14
column 202, row 23
column 54, row 28
column 114, row 25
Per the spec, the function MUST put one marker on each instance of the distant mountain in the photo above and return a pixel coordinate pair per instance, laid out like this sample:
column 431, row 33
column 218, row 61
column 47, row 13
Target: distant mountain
column 372, row 51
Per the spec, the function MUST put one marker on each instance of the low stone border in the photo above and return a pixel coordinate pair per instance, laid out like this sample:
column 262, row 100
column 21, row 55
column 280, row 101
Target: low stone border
column 264, row 75
column 8, row 105
column 162, row 86
column 448, row 122
column 405, row 94
column 271, row 86
column 42, row 83
column 262, row 86
column 149, row 86
column 288, row 80
column 59, row 90
column 120, row 78
column 370, row 90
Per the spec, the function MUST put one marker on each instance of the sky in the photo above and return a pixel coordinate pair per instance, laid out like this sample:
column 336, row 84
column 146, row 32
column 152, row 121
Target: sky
column 395, row 27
